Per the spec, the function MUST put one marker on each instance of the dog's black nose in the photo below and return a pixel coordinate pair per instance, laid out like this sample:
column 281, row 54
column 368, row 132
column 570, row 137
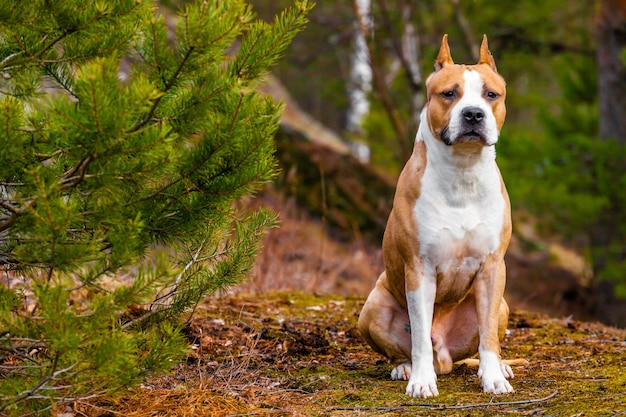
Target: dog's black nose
column 473, row 115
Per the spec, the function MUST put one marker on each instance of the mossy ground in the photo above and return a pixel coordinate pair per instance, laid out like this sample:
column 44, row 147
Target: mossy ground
column 296, row 354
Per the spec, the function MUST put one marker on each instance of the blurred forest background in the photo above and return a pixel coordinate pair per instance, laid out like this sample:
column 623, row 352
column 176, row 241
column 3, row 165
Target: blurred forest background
column 132, row 132
column 348, row 129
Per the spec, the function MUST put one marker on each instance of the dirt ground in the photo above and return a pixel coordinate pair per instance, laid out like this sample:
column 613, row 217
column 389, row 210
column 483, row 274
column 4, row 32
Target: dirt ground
column 299, row 354
column 277, row 347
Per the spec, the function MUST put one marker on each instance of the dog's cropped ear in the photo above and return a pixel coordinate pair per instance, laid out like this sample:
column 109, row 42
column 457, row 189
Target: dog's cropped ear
column 444, row 58
column 485, row 55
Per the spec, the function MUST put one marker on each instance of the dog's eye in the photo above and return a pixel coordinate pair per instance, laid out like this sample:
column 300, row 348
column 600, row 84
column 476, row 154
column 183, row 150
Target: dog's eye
column 450, row 94
column 491, row 95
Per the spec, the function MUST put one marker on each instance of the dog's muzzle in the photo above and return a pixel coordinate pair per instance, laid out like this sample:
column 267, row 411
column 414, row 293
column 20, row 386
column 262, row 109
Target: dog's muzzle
column 472, row 128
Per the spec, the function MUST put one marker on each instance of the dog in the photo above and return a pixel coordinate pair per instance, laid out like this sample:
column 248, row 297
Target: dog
column 440, row 298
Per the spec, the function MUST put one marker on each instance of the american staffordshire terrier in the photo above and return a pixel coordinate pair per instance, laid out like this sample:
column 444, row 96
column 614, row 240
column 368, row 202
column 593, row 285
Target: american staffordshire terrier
column 440, row 298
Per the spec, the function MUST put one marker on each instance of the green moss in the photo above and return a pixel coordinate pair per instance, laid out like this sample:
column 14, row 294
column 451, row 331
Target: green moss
column 300, row 354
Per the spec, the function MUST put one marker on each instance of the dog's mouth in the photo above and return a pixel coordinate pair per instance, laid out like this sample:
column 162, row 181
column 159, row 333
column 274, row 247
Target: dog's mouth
column 470, row 136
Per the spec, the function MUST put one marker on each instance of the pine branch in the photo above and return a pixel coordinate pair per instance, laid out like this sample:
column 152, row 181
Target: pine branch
column 77, row 174
column 196, row 167
column 38, row 387
column 273, row 51
column 165, row 300
column 8, row 223
column 64, row 34
column 60, row 81
column 175, row 132
column 257, row 38
column 8, row 58
column 51, row 44
column 9, row 207
column 168, row 85
column 195, row 259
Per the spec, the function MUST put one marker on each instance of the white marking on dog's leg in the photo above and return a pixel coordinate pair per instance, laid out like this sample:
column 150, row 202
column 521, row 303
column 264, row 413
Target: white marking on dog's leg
column 489, row 287
column 420, row 304
column 494, row 374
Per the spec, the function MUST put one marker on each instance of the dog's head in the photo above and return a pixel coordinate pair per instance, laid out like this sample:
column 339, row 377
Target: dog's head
column 465, row 102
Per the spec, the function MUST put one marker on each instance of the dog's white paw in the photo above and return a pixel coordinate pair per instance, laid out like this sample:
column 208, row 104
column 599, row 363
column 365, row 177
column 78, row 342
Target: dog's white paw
column 494, row 374
column 423, row 384
column 401, row 372
column 507, row 371
column 496, row 385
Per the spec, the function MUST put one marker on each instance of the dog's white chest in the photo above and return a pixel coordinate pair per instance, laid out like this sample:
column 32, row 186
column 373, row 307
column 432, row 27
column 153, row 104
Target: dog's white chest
column 459, row 215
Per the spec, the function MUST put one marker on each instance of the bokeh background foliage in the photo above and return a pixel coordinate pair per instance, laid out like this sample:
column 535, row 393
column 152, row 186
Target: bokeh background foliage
column 563, row 176
column 90, row 192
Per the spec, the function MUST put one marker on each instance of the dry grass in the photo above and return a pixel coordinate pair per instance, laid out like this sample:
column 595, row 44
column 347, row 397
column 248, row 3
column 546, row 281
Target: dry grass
column 244, row 353
column 259, row 352
column 302, row 255
column 296, row 354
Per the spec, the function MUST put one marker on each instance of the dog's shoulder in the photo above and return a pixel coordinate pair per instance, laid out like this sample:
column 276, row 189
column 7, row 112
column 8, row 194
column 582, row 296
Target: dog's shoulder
column 409, row 182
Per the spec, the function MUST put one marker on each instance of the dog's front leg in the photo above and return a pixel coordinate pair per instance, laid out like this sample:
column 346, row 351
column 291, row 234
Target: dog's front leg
column 489, row 288
column 421, row 290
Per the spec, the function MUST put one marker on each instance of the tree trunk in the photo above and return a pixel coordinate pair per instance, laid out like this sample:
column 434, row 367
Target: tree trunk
column 360, row 84
column 611, row 32
column 611, row 56
column 410, row 58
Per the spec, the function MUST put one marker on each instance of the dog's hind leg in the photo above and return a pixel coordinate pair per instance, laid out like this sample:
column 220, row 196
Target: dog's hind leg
column 384, row 324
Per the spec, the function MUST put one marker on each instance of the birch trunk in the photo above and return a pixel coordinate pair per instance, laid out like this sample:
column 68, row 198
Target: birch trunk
column 360, row 84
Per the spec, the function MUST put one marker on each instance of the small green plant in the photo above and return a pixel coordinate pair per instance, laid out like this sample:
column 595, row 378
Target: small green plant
column 124, row 147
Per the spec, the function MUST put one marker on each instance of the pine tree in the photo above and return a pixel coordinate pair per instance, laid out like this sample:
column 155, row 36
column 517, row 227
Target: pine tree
column 107, row 173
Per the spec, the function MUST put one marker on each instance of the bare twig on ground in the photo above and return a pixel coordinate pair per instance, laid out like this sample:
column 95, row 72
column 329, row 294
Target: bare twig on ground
column 448, row 407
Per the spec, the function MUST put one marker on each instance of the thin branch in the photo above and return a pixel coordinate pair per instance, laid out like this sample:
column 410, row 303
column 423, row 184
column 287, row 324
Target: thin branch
column 54, row 42
column 40, row 385
column 44, row 156
column 62, row 400
column 411, row 69
column 70, row 179
column 468, row 33
column 157, row 301
column 272, row 47
column 59, row 81
column 5, row 225
column 402, row 407
column 7, row 206
column 195, row 258
column 9, row 58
